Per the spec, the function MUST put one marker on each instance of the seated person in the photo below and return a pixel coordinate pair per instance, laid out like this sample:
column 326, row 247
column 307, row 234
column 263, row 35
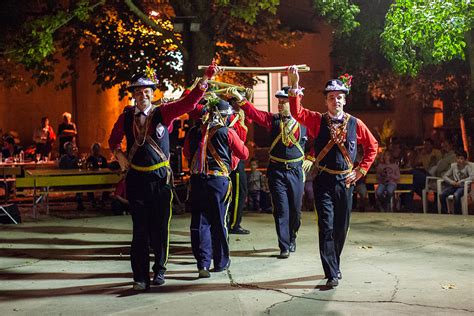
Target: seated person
column 10, row 150
column 448, row 157
column 459, row 172
column 96, row 161
column 388, row 175
column 70, row 161
column 427, row 159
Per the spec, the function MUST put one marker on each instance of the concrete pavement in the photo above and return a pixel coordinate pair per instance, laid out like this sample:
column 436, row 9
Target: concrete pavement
column 393, row 264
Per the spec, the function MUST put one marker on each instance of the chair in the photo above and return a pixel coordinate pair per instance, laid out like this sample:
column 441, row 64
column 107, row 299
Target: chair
column 431, row 186
column 464, row 199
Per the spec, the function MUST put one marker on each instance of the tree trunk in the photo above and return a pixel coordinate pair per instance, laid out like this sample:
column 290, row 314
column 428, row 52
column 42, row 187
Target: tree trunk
column 201, row 47
column 469, row 37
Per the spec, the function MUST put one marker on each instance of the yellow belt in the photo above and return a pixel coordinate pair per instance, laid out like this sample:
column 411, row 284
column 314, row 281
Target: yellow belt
column 165, row 163
column 334, row 171
column 276, row 159
column 218, row 173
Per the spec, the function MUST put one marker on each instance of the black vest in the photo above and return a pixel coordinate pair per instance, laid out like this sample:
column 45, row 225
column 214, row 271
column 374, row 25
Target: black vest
column 334, row 159
column 145, row 155
column 280, row 150
column 219, row 141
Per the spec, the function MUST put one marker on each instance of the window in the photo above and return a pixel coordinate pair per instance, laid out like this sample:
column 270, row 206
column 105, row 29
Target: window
column 261, row 96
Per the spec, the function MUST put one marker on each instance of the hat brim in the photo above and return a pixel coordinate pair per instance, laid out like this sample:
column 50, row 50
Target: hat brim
column 346, row 92
column 133, row 87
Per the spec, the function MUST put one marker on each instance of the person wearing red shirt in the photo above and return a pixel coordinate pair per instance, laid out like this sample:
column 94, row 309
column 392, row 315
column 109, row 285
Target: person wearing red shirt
column 336, row 135
column 214, row 151
column 44, row 138
column 285, row 167
column 238, row 121
column 148, row 182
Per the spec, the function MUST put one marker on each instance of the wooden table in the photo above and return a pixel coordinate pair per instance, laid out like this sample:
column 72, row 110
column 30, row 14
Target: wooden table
column 66, row 180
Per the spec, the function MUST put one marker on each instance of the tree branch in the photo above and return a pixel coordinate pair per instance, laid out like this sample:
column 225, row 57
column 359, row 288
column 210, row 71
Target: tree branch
column 145, row 19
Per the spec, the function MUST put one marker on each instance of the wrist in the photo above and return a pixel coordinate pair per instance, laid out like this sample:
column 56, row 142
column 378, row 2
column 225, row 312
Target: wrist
column 203, row 84
column 242, row 101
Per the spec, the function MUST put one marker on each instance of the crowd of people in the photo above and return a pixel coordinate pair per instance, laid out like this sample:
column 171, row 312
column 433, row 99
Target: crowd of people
column 421, row 162
column 44, row 139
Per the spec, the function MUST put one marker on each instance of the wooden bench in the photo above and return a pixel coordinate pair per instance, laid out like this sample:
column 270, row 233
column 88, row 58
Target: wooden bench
column 45, row 182
column 405, row 179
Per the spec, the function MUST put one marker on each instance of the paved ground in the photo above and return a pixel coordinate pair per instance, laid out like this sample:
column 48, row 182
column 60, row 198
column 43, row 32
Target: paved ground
column 393, row 264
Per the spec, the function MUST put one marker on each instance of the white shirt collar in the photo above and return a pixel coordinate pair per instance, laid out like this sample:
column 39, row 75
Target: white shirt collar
column 339, row 117
column 146, row 111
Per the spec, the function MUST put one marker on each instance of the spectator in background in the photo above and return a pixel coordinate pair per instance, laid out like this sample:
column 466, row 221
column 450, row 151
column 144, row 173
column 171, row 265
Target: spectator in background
column 429, row 155
column 44, row 137
column 448, row 157
column 96, row 161
column 67, row 132
column 265, row 198
column 398, row 154
column 388, row 175
column 254, row 186
column 70, row 161
column 10, row 150
column 427, row 159
column 459, row 172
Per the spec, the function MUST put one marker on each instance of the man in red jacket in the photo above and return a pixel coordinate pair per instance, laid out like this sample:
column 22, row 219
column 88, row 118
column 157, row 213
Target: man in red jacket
column 336, row 135
column 148, row 182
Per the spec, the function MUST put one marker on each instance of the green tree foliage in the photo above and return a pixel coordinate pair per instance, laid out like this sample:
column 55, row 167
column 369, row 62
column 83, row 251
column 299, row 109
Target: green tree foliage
column 375, row 81
column 426, row 32
column 122, row 37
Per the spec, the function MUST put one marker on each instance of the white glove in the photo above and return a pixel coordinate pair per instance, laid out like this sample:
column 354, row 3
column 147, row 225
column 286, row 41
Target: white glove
column 307, row 165
column 234, row 93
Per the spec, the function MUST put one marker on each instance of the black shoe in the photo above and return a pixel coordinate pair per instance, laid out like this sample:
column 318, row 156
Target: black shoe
column 158, row 279
column 223, row 268
column 292, row 246
column 332, row 282
column 140, row 286
column 284, row 254
column 239, row 231
column 204, row 273
column 339, row 275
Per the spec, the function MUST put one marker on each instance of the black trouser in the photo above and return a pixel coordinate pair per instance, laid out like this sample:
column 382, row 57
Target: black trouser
column 286, row 189
column 239, row 194
column 209, row 238
column 333, row 205
column 150, row 204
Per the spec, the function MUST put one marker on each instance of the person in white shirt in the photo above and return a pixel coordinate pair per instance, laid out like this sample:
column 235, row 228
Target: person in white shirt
column 459, row 172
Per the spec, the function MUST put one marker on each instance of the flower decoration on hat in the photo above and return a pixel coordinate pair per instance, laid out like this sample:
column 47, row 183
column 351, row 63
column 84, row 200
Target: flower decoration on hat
column 150, row 73
column 346, row 80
